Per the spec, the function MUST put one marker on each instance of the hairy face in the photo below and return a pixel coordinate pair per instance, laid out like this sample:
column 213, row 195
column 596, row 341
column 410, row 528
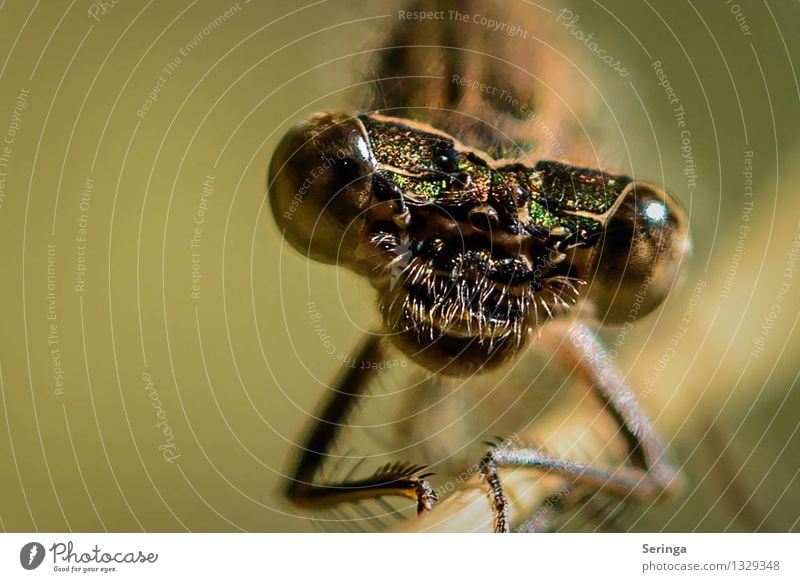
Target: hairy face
column 468, row 254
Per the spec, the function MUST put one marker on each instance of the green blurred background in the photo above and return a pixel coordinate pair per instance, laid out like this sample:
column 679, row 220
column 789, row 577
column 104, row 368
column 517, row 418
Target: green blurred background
column 139, row 268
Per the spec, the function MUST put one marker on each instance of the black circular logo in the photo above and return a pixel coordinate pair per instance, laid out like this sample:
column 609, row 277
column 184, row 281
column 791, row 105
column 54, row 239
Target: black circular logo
column 31, row 555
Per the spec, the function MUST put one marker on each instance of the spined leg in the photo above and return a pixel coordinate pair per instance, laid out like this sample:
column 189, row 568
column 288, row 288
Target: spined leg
column 393, row 479
column 646, row 476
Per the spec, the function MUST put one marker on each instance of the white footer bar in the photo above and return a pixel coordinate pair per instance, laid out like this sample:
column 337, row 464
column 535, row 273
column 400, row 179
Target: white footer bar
column 407, row 557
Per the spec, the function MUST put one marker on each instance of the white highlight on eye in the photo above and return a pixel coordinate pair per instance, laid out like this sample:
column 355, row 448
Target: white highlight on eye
column 656, row 211
column 363, row 148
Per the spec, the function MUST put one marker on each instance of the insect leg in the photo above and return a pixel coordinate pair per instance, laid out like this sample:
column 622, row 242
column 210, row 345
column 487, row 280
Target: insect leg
column 401, row 479
column 647, row 476
column 581, row 348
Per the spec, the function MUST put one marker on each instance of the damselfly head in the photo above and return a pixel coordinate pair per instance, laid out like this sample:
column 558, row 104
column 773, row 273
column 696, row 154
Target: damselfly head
column 469, row 255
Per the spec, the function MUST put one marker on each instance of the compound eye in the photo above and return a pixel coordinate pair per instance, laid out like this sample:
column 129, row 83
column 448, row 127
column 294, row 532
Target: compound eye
column 320, row 181
column 484, row 218
column 645, row 243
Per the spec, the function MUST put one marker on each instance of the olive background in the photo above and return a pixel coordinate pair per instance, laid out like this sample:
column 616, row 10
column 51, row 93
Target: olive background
column 237, row 370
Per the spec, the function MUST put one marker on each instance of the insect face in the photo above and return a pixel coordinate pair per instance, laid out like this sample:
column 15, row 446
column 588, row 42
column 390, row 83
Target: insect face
column 469, row 254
